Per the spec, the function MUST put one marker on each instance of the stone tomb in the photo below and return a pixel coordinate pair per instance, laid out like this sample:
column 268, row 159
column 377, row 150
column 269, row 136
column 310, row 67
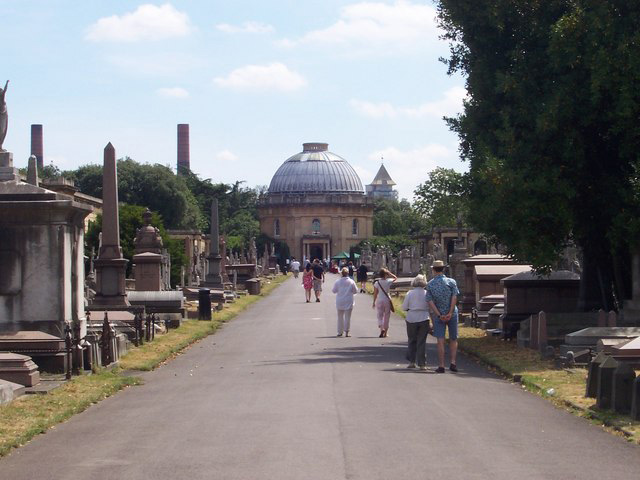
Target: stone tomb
column 18, row 369
column 527, row 293
column 487, row 278
column 47, row 351
column 588, row 337
column 468, row 288
column 41, row 256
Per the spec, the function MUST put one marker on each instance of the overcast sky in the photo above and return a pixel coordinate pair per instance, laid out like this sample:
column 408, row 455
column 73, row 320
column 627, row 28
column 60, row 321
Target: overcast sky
column 253, row 78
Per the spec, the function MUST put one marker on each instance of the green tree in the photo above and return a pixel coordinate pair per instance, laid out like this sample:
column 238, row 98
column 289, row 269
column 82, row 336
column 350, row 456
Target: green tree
column 550, row 127
column 154, row 186
column 393, row 217
column 442, row 198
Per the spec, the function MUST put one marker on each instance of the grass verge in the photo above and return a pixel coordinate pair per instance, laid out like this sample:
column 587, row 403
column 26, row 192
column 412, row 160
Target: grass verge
column 31, row 415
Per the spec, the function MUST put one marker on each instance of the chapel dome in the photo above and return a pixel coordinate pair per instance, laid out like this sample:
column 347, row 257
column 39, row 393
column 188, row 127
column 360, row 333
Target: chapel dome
column 315, row 170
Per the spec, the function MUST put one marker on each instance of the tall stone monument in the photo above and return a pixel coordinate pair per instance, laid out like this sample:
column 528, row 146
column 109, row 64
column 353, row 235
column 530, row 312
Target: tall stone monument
column 110, row 265
column 213, row 278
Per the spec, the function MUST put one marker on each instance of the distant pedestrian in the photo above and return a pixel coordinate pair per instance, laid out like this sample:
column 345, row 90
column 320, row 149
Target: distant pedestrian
column 307, row 281
column 344, row 288
column 350, row 267
column 295, row 267
column 382, row 299
column 362, row 277
column 442, row 295
column 417, row 308
column 318, row 278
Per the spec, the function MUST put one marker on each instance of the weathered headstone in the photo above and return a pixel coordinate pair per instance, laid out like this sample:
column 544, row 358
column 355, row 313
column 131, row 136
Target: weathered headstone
column 623, row 378
column 635, row 399
column 592, row 375
column 605, row 383
column 32, row 171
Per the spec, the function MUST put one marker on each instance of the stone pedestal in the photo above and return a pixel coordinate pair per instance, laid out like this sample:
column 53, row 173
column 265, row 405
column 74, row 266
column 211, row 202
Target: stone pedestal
column 7, row 172
column 18, row 369
column 213, row 278
column 148, row 271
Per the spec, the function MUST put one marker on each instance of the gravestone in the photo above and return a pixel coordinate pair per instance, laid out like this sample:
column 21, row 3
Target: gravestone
column 623, row 378
column 110, row 265
column 635, row 399
column 605, row 383
column 592, row 375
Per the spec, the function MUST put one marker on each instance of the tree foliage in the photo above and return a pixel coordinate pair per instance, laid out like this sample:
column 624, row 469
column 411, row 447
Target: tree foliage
column 154, row 186
column 442, row 198
column 550, row 127
column 393, row 217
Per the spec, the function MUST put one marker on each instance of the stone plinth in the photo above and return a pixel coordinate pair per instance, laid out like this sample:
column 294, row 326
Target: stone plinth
column 18, row 369
column 148, row 271
column 213, row 278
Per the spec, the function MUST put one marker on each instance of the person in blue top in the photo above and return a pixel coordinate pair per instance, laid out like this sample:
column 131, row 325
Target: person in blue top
column 442, row 296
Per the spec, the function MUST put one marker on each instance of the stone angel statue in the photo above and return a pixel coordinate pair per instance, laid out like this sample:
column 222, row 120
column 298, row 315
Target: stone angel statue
column 4, row 116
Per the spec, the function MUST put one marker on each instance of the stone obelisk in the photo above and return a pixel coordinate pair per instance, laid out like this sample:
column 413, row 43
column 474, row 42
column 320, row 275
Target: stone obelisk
column 214, row 277
column 110, row 265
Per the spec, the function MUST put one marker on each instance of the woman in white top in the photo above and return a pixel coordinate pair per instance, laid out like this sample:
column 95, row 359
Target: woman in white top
column 417, row 308
column 382, row 299
column 344, row 289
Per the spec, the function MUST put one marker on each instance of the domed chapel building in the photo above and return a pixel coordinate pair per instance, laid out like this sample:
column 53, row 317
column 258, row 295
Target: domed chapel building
column 316, row 204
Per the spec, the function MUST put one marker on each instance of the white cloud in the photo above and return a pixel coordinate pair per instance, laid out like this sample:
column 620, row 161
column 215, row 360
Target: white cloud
column 173, row 92
column 147, row 22
column 246, row 27
column 409, row 168
column 449, row 105
column 226, row 156
column 375, row 27
column 274, row 76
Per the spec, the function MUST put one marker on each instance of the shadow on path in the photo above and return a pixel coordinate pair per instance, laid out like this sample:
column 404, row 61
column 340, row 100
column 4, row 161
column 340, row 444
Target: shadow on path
column 393, row 354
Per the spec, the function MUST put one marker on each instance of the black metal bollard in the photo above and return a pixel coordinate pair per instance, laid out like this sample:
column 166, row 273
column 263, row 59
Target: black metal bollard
column 204, row 304
column 68, row 343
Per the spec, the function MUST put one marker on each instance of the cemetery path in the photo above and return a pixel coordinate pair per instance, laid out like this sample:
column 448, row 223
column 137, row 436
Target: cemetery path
column 275, row 395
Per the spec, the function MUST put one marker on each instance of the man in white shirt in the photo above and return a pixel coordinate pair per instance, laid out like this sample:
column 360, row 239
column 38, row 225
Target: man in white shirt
column 344, row 289
column 295, row 267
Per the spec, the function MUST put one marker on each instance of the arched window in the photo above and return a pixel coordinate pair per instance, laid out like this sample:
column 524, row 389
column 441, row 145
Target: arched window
column 354, row 227
column 276, row 227
column 315, row 226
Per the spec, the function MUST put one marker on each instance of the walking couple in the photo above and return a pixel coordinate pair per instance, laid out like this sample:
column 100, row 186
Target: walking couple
column 345, row 288
column 437, row 299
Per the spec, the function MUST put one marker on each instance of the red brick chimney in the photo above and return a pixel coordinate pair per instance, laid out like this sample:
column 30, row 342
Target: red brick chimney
column 183, row 148
column 36, row 145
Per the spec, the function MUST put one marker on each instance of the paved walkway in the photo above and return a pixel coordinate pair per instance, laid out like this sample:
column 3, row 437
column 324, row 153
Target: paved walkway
column 274, row 395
